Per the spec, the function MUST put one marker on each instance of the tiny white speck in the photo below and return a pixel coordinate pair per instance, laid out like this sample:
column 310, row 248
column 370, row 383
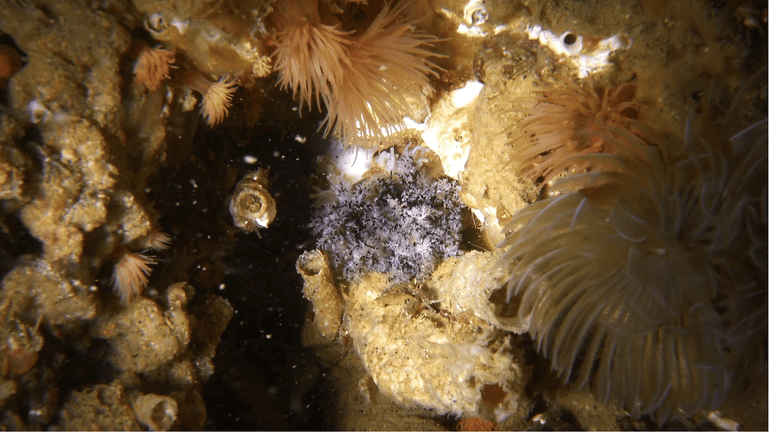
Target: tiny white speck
column 300, row 139
column 248, row 159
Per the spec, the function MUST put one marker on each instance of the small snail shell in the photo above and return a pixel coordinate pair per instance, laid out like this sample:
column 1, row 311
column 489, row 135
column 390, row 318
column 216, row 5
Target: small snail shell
column 163, row 28
column 155, row 24
column 250, row 204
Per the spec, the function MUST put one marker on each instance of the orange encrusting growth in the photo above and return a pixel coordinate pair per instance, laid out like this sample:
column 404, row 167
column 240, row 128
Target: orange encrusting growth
column 475, row 424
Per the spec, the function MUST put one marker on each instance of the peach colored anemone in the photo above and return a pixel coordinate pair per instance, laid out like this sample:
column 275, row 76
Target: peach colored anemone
column 216, row 95
column 152, row 66
column 561, row 122
column 386, row 60
column 309, row 54
column 157, row 240
column 362, row 79
column 130, row 275
column 216, row 101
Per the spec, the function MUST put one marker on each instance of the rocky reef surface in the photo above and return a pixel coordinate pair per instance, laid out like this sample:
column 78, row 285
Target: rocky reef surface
column 184, row 246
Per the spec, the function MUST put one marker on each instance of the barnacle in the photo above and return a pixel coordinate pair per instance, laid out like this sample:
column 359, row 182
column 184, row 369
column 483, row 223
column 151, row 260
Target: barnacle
column 251, row 205
column 559, row 123
column 637, row 280
column 363, row 79
column 130, row 274
column 152, row 66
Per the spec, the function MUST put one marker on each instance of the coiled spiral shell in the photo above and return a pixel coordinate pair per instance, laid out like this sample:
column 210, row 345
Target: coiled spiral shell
column 251, row 205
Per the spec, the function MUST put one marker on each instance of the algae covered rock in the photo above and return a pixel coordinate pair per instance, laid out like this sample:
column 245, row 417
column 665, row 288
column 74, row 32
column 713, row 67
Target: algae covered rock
column 144, row 337
column 103, row 407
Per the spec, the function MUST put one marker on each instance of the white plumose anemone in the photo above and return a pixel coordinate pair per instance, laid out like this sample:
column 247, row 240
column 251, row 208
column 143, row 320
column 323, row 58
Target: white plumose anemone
column 633, row 280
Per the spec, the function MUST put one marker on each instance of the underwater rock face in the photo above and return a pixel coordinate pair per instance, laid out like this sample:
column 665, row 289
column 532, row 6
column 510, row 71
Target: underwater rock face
column 449, row 361
column 422, row 358
column 144, row 325
column 104, row 155
column 103, row 407
column 80, row 139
